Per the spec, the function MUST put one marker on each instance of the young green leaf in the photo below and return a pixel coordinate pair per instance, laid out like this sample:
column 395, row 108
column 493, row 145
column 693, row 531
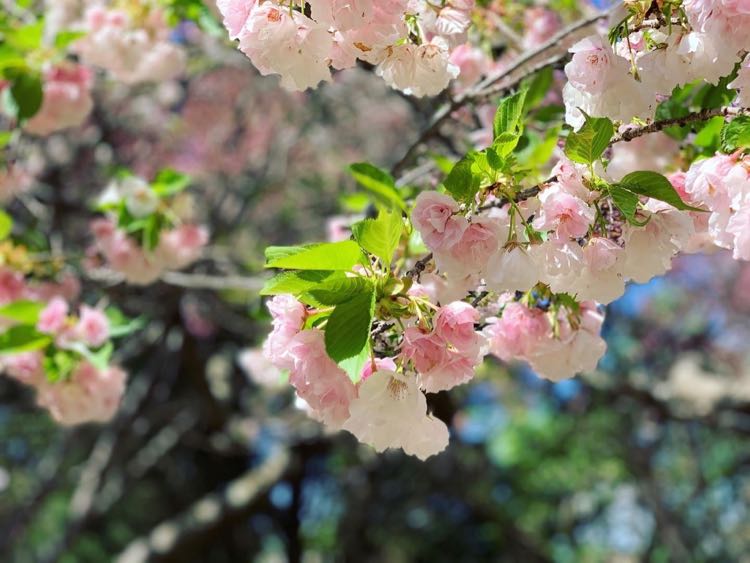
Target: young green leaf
column 22, row 338
column 380, row 236
column 627, row 202
column 462, row 183
column 27, row 94
column 295, row 282
column 24, row 312
column 587, row 145
column 509, row 114
column 326, row 256
column 656, row 186
column 348, row 328
column 736, row 134
column 353, row 366
column 339, row 290
column 6, row 225
column 170, row 182
column 505, row 143
column 379, row 183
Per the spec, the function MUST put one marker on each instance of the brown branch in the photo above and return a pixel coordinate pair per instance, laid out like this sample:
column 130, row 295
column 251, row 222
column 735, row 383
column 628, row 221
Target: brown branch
column 487, row 86
column 656, row 126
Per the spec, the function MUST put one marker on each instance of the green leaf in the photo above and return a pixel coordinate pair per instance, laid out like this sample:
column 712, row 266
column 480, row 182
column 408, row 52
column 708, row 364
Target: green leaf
column 504, row 144
column 99, row 358
column 380, row 236
column 24, row 312
column 65, row 38
column 627, row 202
column 26, row 38
column 509, row 114
column 326, row 256
column 710, row 134
column 736, row 134
column 22, row 338
column 275, row 252
column 27, row 94
column 339, row 290
column 348, row 328
column 537, row 87
column 656, row 186
column 587, row 145
column 170, row 182
column 379, row 183
column 120, row 325
column 353, row 366
column 295, row 282
column 6, row 225
column 59, row 365
column 462, row 183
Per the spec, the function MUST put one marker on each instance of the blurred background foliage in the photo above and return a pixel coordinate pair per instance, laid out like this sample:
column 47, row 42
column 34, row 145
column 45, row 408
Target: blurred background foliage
column 646, row 460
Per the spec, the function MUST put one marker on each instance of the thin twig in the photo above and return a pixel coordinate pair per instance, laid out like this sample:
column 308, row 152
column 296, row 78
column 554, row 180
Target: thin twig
column 656, row 126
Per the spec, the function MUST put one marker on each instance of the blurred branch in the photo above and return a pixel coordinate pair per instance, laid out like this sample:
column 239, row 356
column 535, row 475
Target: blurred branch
column 218, row 283
column 207, row 512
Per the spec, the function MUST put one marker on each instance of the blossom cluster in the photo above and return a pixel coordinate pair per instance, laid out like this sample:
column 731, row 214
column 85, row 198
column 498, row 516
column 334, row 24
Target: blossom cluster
column 68, row 366
column 133, row 46
column 557, row 238
column 409, row 41
column 649, row 58
column 144, row 234
column 721, row 184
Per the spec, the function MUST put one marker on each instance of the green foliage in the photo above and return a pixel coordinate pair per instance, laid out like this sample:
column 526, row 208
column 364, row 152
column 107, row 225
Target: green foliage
column 121, row 325
column 348, row 329
column 656, row 186
column 23, row 311
column 462, row 183
column 6, row 225
column 98, row 358
column 627, row 202
column 325, row 256
column 379, row 183
column 25, row 94
column 736, row 134
column 295, row 282
column 380, row 236
column 22, row 338
column 587, row 145
column 169, row 182
column 339, row 290
column 509, row 115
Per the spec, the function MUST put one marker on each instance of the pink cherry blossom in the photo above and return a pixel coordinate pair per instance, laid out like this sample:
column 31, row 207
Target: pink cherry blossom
column 472, row 252
column 181, row 246
column 67, row 100
column 391, row 412
column 26, row 367
column 434, row 216
column 53, row 317
column 288, row 318
column 89, row 395
column 517, row 332
column 454, row 323
column 12, row 286
column 93, row 326
column 324, row 386
column 288, row 43
column 567, row 215
column 379, row 364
